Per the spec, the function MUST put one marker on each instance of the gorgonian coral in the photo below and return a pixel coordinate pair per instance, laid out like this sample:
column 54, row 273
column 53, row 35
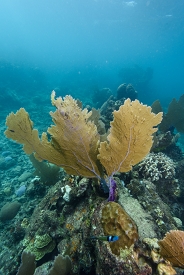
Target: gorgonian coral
column 172, row 247
column 75, row 142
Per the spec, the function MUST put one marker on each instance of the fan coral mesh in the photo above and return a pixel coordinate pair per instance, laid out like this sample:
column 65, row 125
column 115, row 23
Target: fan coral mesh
column 172, row 247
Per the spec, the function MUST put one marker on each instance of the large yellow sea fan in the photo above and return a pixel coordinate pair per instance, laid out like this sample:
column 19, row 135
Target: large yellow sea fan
column 130, row 137
column 74, row 139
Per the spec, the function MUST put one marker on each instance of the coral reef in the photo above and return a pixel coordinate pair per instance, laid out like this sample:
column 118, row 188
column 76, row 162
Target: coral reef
column 108, row 108
column 100, row 96
column 164, row 141
column 40, row 246
column 70, row 224
column 153, row 250
column 140, row 258
column 95, row 117
column 151, row 206
column 71, row 220
column 126, row 91
column 156, row 167
column 161, row 170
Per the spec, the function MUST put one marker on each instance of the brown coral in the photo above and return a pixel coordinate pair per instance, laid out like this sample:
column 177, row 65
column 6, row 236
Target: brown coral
column 115, row 221
column 130, row 137
column 28, row 264
column 62, row 265
column 172, row 247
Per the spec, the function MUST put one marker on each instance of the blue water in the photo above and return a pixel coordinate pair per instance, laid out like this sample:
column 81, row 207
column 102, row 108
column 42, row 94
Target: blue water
column 79, row 45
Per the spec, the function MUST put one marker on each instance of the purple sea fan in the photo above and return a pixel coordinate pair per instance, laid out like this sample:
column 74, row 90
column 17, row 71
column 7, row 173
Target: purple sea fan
column 112, row 189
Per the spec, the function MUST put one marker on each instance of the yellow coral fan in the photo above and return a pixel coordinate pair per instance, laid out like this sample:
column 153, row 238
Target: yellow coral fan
column 130, row 137
column 20, row 128
column 74, row 140
column 172, row 247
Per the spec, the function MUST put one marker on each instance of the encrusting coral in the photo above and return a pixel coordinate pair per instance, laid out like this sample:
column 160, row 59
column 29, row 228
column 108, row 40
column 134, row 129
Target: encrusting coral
column 115, row 221
column 75, row 142
column 41, row 246
column 157, row 166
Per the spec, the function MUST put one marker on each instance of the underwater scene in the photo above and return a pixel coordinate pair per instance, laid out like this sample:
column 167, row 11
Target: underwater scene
column 92, row 137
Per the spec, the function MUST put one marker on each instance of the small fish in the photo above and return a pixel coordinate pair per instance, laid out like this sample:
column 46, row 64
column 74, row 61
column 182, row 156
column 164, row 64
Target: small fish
column 106, row 238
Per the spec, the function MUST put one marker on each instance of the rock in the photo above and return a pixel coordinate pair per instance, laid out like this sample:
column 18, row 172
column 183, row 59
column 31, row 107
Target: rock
column 9, row 211
column 24, row 176
column 6, row 163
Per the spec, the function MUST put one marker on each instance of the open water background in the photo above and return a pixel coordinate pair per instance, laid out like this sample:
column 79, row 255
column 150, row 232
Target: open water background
column 78, row 46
